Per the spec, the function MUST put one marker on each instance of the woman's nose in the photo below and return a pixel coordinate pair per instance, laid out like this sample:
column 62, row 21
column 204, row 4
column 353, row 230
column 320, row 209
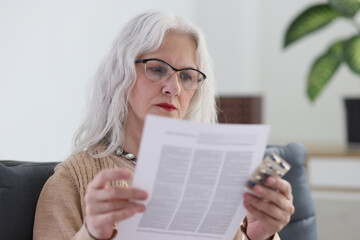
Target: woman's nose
column 172, row 86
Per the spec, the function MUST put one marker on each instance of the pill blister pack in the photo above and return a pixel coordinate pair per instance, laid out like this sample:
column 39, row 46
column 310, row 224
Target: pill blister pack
column 272, row 165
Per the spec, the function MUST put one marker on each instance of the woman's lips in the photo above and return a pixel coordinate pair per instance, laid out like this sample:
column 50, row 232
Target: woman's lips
column 166, row 106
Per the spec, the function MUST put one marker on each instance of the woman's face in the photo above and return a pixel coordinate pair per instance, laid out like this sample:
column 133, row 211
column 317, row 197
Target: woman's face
column 167, row 98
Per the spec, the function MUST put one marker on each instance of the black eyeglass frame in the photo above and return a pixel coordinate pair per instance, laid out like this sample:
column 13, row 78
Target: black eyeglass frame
column 175, row 69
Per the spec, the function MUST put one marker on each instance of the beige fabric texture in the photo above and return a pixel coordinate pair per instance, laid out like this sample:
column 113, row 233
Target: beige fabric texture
column 61, row 206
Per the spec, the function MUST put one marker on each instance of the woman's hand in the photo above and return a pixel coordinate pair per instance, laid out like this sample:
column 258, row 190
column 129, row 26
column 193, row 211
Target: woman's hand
column 271, row 210
column 106, row 205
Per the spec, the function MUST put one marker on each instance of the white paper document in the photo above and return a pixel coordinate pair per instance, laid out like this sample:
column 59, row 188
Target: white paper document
column 195, row 175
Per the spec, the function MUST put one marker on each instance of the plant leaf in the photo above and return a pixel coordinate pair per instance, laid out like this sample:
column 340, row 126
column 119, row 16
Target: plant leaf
column 323, row 69
column 309, row 21
column 347, row 8
column 336, row 49
column 352, row 53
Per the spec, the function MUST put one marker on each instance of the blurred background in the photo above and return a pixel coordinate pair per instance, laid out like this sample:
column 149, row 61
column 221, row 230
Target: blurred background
column 50, row 50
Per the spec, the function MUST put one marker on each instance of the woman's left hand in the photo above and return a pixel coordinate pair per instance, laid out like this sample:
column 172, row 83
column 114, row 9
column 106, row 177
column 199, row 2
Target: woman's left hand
column 271, row 210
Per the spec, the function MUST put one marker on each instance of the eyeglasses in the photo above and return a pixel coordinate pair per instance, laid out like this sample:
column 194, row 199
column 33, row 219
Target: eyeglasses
column 158, row 70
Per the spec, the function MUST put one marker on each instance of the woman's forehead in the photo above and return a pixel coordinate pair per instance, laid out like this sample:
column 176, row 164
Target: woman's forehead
column 177, row 49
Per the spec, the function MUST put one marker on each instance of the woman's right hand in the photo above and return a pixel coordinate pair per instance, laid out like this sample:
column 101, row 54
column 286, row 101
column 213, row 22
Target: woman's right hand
column 106, row 205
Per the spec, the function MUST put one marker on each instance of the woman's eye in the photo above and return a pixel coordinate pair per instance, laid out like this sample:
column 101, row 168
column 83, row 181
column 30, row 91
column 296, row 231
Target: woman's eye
column 185, row 76
column 158, row 69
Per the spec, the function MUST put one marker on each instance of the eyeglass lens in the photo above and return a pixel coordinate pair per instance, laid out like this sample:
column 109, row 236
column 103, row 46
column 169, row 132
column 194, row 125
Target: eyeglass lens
column 159, row 71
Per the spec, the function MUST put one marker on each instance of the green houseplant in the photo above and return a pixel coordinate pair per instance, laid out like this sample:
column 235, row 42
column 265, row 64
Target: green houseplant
column 341, row 51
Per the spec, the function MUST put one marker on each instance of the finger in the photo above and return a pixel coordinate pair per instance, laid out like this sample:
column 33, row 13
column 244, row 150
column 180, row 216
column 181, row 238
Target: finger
column 115, row 194
column 103, row 224
column 267, row 208
column 111, row 217
column 271, row 223
column 104, row 207
column 275, row 197
column 107, row 175
column 281, row 185
column 260, row 204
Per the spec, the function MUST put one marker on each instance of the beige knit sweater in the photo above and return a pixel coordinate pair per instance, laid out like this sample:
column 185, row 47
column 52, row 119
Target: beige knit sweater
column 61, row 206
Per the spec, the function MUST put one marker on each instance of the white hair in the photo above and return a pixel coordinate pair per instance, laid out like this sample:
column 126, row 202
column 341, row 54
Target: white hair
column 104, row 123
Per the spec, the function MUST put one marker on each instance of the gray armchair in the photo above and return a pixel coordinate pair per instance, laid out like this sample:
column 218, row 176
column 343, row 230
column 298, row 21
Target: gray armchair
column 303, row 222
column 21, row 184
column 20, row 187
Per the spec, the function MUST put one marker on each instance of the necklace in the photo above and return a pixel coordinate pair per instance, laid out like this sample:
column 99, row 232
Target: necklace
column 128, row 156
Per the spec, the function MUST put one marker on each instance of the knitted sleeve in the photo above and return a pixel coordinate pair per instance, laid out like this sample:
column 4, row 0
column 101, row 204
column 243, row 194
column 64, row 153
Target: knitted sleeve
column 60, row 208
column 58, row 212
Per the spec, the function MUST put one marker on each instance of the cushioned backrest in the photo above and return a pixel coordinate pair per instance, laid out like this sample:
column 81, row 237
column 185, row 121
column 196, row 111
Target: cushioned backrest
column 303, row 222
column 20, row 186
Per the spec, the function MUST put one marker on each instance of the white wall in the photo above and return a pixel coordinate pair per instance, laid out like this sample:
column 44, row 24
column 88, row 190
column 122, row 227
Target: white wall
column 292, row 116
column 231, row 28
column 245, row 39
column 50, row 51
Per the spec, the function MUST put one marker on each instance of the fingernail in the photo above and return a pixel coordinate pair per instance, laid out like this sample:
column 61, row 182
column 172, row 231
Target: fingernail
column 144, row 195
column 271, row 180
column 258, row 189
column 142, row 208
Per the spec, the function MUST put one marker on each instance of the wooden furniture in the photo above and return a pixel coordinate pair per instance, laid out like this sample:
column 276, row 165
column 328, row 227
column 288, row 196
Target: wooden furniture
column 334, row 169
column 240, row 109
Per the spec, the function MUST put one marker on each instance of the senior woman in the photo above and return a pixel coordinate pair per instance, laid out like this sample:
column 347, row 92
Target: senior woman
column 159, row 65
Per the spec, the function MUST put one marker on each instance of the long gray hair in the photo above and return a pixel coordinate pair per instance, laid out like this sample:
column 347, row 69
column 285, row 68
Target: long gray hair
column 116, row 76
